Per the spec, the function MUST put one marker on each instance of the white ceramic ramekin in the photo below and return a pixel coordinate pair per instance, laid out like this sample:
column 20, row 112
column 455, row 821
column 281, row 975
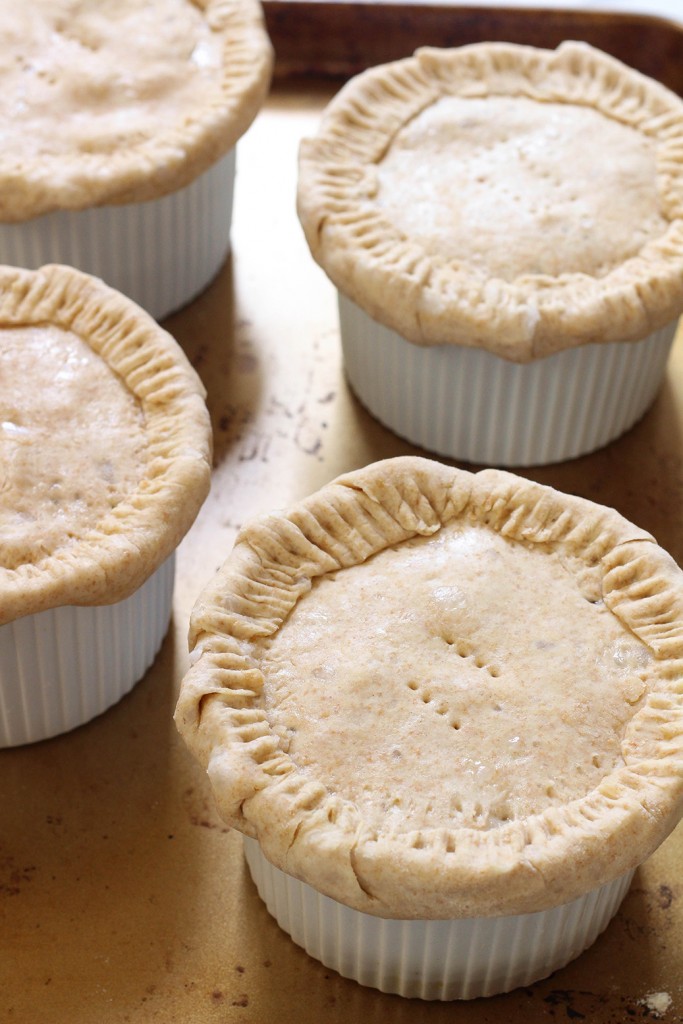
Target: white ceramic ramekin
column 160, row 253
column 61, row 667
column 471, row 405
column 455, row 959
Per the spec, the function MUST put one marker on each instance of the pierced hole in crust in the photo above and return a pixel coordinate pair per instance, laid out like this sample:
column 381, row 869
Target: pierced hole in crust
column 455, row 724
column 596, row 761
column 418, row 842
column 503, row 812
column 412, row 685
column 426, row 696
column 550, row 790
column 494, row 671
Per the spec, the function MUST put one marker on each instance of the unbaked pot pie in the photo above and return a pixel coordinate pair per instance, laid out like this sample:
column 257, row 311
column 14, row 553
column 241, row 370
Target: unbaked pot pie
column 504, row 226
column 105, row 455
column 446, row 711
column 120, row 120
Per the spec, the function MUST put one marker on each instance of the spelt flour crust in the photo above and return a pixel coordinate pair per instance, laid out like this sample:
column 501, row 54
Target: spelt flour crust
column 124, row 545
column 122, row 102
column 451, row 226
column 266, row 785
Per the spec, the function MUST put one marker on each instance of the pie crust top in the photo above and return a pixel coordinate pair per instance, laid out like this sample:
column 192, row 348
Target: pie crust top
column 501, row 196
column 117, row 101
column 105, row 442
column 432, row 694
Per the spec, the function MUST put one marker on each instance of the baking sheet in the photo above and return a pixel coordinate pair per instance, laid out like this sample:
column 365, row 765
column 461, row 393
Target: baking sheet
column 122, row 896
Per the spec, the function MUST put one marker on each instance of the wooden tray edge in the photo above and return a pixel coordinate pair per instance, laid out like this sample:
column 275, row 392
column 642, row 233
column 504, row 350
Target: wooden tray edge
column 338, row 40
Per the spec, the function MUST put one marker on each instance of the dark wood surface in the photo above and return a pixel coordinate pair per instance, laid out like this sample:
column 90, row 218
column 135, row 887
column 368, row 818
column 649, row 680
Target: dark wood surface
column 341, row 39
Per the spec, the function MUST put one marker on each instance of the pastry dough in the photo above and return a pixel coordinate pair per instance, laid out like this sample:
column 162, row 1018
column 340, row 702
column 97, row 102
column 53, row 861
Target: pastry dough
column 105, row 445
column 499, row 196
column 120, row 101
column 433, row 694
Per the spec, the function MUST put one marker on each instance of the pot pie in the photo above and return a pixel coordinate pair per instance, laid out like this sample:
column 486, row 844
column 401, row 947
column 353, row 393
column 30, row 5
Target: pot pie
column 120, row 121
column 504, row 225
column 105, row 446
column 446, row 712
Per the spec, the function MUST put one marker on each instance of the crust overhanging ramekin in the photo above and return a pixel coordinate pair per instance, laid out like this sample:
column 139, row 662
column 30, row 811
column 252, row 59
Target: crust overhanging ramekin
column 172, row 153
column 146, row 203
column 430, row 298
column 129, row 549
column 522, row 866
